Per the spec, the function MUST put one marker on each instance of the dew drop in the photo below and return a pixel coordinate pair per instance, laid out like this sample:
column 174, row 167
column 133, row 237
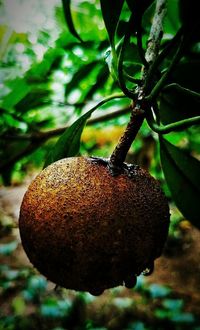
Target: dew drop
column 148, row 270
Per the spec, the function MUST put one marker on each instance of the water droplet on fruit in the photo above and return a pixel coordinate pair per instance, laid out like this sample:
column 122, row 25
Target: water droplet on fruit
column 148, row 270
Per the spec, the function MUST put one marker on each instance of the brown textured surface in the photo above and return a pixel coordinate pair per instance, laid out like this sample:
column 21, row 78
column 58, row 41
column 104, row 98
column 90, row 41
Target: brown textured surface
column 86, row 230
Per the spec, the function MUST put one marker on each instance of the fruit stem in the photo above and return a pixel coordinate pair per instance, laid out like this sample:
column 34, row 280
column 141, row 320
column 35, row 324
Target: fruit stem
column 119, row 154
column 139, row 107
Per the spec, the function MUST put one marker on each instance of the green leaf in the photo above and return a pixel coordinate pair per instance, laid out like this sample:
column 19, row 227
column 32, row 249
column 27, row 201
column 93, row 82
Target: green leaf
column 39, row 71
column 132, row 53
column 171, row 21
column 147, row 18
column 182, row 175
column 22, row 88
column 69, row 142
column 111, row 11
column 186, row 74
column 68, row 17
column 36, row 98
column 19, row 89
column 82, row 73
column 9, row 152
column 132, row 68
column 112, row 66
column 131, row 58
column 189, row 15
column 101, row 79
column 138, row 7
column 178, row 103
column 13, row 152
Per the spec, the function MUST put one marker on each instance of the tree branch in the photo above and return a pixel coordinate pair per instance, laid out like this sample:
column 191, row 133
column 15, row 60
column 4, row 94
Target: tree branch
column 156, row 32
column 45, row 135
column 140, row 106
column 162, row 55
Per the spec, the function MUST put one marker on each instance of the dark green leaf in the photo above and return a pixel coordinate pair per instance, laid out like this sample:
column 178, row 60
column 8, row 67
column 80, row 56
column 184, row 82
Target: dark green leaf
column 101, row 79
column 182, row 175
column 39, row 71
column 68, row 17
column 10, row 119
column 147, row 18
column 132, row 68
column 111, row 12
column 187, row 75
column 11, row 153
column 82, row 73
column 172, row 22
column 189, row 15
column 69, row 143
column 36, row 98
column 8, row 153
column 138, row 7
column 131, row 53
column 176, row 104
column 131, row 59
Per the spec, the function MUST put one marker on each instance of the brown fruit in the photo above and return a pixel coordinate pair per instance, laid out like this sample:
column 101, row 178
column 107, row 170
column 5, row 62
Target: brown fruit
column 85, row 229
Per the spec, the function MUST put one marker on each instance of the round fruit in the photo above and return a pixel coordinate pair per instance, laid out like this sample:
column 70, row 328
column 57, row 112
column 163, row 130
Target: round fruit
column 87, row 230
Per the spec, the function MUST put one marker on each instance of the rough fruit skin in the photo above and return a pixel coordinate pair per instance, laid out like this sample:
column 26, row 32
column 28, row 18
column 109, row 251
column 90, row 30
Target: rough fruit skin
column 87, row 230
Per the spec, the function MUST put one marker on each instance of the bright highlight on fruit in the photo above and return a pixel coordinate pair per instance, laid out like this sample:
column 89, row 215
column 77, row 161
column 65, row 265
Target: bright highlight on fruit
column 87, row 230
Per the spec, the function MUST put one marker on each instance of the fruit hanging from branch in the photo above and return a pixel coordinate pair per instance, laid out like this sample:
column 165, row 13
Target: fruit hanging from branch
column 88, row 230
column 90, row 224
